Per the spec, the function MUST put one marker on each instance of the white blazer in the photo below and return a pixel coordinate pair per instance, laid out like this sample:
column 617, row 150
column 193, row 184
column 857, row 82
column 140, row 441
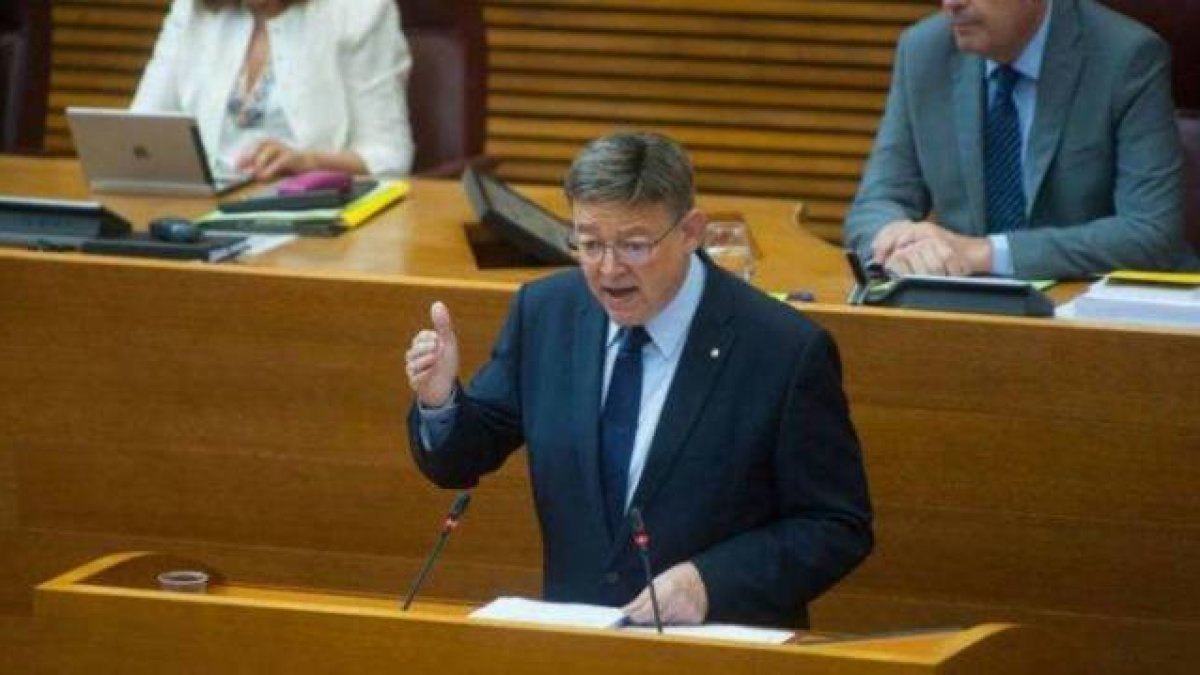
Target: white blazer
column 341, row 71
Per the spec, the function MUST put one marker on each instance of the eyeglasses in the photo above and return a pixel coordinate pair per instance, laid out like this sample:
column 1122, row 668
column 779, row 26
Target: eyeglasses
column 635, row 251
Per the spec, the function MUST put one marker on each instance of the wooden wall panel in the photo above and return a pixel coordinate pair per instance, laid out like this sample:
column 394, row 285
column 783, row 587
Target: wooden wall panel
column 250, row 417
column 99, row 49
column 773, row 97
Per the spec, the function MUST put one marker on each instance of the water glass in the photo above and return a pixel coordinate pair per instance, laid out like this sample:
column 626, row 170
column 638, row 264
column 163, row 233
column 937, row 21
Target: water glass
column 727, row 242
column 183, row 581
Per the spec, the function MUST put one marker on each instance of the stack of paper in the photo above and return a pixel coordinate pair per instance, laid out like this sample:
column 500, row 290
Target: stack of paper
column 723, row 631
column 550, row 613
column 1141, row 297
column 595, row 616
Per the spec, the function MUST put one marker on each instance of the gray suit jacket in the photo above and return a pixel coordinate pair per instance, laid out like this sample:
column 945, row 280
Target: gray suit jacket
column 1104, row 148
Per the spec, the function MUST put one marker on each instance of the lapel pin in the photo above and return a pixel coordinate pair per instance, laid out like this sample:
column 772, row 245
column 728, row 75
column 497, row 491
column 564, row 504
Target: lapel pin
column 715, row 352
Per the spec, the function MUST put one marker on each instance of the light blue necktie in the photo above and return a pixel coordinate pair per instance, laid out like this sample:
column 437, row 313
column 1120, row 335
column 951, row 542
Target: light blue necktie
column 619, row 422
column 1003, row 178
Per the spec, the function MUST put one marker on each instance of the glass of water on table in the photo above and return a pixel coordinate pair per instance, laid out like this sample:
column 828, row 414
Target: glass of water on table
column 727, row 242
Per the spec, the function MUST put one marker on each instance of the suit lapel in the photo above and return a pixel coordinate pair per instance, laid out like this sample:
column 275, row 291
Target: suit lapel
column 705, row 352
column 1061, row 66
column 587, row 357
column 968, row 122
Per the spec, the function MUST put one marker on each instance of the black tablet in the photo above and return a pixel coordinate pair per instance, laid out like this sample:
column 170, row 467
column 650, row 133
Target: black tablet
column 530, row 228
column 982, row 295
column 59, row 217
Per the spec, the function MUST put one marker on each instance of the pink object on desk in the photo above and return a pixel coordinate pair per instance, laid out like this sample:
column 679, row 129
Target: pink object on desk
column 312, row 181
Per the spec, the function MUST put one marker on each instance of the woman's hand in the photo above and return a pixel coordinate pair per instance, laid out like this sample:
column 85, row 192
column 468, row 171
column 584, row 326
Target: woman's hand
column 271, row 159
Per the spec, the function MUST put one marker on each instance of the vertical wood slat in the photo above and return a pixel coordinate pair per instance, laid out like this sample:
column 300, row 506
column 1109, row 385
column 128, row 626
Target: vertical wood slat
column 730, row 77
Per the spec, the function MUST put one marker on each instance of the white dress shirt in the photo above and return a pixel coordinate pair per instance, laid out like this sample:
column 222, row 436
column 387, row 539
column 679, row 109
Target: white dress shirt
column 660, row 358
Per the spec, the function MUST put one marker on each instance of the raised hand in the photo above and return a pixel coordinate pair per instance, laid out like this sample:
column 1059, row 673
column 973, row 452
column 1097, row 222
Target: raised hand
column 431, row 361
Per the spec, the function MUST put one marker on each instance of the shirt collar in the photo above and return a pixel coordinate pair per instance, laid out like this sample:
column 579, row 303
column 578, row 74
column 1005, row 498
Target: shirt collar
column 669, row 327
column 1029, row 63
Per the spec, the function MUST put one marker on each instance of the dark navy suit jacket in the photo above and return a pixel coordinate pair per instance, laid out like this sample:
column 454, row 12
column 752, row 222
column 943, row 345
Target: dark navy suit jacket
column 754, row 473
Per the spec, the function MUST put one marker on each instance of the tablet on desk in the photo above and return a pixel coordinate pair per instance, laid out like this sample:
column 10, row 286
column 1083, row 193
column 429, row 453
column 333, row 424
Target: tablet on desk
column 144, row 153
column 982, row 295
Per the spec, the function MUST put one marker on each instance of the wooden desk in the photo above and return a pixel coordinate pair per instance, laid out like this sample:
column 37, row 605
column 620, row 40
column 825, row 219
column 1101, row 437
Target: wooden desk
column 425, row 237
column 108, row 616
column 251, row 415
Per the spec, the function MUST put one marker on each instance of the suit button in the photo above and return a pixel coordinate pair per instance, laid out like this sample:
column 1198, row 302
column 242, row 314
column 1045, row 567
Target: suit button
column 612, row 578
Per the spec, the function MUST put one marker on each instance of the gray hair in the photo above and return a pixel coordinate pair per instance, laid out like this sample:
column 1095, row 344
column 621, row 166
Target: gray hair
column 633, row 168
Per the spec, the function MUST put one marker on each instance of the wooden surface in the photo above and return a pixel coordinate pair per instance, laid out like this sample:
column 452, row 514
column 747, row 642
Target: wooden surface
column 425, row 236
column 776, row 98
column 250, row 415
column 1034, row 471
column 92, row 620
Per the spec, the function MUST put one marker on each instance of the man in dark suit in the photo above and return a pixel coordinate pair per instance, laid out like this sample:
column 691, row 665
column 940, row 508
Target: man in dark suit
column 1027, row 138
column 651, row 378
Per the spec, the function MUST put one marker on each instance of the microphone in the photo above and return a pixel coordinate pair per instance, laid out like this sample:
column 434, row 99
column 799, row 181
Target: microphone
column 641, row 539
column 452, row 517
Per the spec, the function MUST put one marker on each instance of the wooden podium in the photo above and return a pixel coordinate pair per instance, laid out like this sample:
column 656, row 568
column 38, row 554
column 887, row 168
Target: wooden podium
column 108, row 616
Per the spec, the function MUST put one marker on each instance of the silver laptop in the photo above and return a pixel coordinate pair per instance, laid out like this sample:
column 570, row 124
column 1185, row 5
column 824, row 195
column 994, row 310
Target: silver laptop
column 147, row 153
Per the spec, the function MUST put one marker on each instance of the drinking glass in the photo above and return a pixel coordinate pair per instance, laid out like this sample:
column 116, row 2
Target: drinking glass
column 183, row 581
column 728, row 244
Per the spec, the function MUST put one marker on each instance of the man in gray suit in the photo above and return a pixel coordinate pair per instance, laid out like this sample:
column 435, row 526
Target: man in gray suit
column 1030, row 138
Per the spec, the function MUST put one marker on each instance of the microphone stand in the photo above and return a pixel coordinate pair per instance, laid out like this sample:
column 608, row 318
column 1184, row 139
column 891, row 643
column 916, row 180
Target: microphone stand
column 448, row 525
column 641, row 539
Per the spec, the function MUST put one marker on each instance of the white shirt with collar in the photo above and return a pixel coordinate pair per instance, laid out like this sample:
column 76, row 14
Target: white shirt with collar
column 668, row 331
column 341, row 71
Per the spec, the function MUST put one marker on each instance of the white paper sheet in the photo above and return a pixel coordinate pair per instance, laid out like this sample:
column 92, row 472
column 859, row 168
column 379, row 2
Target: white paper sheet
column 718, row 631
column 258, row 243
column 550, row 613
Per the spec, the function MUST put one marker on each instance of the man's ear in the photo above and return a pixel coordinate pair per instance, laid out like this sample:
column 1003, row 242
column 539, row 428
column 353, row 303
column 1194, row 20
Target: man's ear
column 693, row 224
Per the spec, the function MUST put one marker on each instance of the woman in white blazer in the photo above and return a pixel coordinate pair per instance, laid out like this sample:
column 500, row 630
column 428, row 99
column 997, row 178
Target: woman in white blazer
column 280, row 87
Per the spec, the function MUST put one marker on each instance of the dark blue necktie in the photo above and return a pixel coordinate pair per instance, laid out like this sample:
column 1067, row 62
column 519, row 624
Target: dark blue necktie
column 618, row 423
column 1002, row 157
